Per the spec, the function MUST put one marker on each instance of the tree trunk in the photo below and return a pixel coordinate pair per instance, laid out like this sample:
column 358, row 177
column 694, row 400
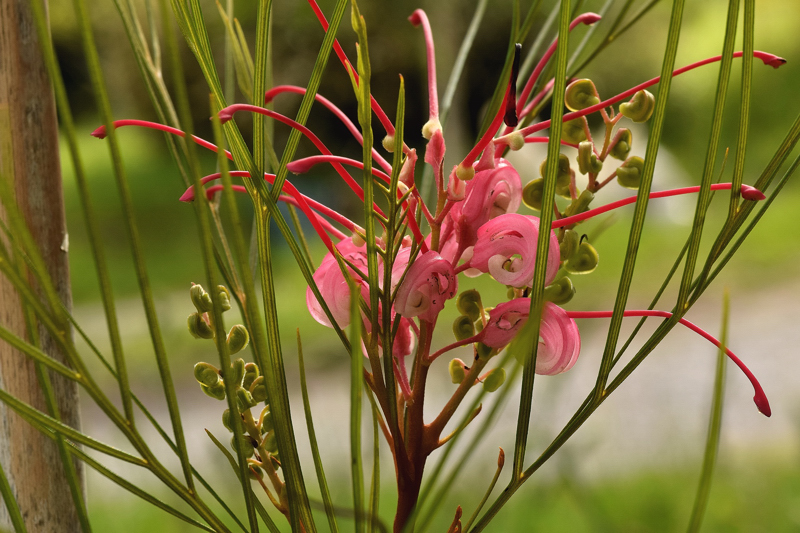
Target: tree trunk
column 29, row 157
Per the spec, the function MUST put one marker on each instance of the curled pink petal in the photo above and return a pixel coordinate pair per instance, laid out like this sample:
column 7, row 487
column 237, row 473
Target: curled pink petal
column 505, row 321
column 488, row 195
column 428, row 284
column 333, row 286
column 506, row 249
column 560, row 342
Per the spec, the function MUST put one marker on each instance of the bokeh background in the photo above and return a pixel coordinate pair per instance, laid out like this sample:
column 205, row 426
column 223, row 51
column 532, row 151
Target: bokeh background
column 635, row 465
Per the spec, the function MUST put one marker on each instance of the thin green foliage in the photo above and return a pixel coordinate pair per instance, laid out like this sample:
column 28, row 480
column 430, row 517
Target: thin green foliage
column 356, row 383
column 714, row 424
column 527, row 341
column 7, row 495
column 312, row 439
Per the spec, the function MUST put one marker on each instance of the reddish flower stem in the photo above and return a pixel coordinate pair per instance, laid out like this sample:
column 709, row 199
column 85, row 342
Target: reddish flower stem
column 376, row 108
column 585, row 18
column 188, row 196
column 768, row 59
column 748, row 192
column 305, row 164
column 227, row 114
column 760, row 399
column 272, row 93
column 419, row 17
column 100, row 132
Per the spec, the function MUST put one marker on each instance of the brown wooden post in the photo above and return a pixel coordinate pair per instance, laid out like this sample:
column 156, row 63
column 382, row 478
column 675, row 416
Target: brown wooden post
column 28, row 133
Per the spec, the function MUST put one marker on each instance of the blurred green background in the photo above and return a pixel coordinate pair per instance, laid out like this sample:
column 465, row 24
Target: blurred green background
column 634, row 468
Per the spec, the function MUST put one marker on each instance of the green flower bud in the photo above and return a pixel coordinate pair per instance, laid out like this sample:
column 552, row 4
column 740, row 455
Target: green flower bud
column 238, row 371
column 388, row 143
column 430, row 128
column 226, row 420
column 560, row 292
column 238, row 339
column 629, row 174
column 457, row 371
column 516, row 141
column 200, row 298
column 259, row 390
column 580, row 95
column 584, row 261
column 580, row 204
column 573, row 131
column 271, row 443
column 621, row 144
column 494, row 379
column 224, row 298
column 587, row 160
column 469, row 304
column 251, row 372
column 564, row 175
column 532, row 194
column 198, row 327
column 569, row 244
column 484, row 352
column 206, row 374
column 266, row 420
column 255, row 472
column 465, row 173
column 216, row 391
column 463, row 328
column 640, row 107
column 247, row 445
column 246, row 400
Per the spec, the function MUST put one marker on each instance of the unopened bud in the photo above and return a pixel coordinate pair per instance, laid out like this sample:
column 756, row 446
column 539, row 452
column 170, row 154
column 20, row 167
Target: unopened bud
column 629, row 174
column 465, row 173
column 494, row 379
column 237, row 339
column 483, row 351
column 259, row 389
column 621, row 144
column 573, row 131
column 579, row 204
column 200, row 298
column 587, row 160
column 198, row 327
column 560, row 292
column 581, row 94
column 388, row 143
column 226, row 420
column 266, row 420
column 469, row 304
column 247, row 445
column 583, row 261
column 457, row 371
column 224, row 298
column 271, row 443
column 569, row 244
column 463, row 328
column 206, row 374
column 238, row 371
column 246, row 400
column 251, row 372
column 532, row 194
column 431, row 127
column 640, row 107
column 217, row 391
column 255, row 472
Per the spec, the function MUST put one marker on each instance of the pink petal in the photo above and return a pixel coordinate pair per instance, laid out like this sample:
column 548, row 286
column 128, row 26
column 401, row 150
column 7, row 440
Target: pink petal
column 428, row 284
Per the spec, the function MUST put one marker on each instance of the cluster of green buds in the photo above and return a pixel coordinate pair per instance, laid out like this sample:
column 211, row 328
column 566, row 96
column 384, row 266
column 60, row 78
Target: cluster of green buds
column 472, row 319
column 578, row 256
column 201, row 323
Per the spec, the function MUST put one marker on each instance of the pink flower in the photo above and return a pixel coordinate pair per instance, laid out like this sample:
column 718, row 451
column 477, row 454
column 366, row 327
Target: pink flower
column 333, row 286
column 491, row 193
column 560, row 342
column 428, row 284
column 506, row 249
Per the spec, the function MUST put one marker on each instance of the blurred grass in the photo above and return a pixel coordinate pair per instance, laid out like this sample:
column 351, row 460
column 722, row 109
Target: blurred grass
column 755, row 496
